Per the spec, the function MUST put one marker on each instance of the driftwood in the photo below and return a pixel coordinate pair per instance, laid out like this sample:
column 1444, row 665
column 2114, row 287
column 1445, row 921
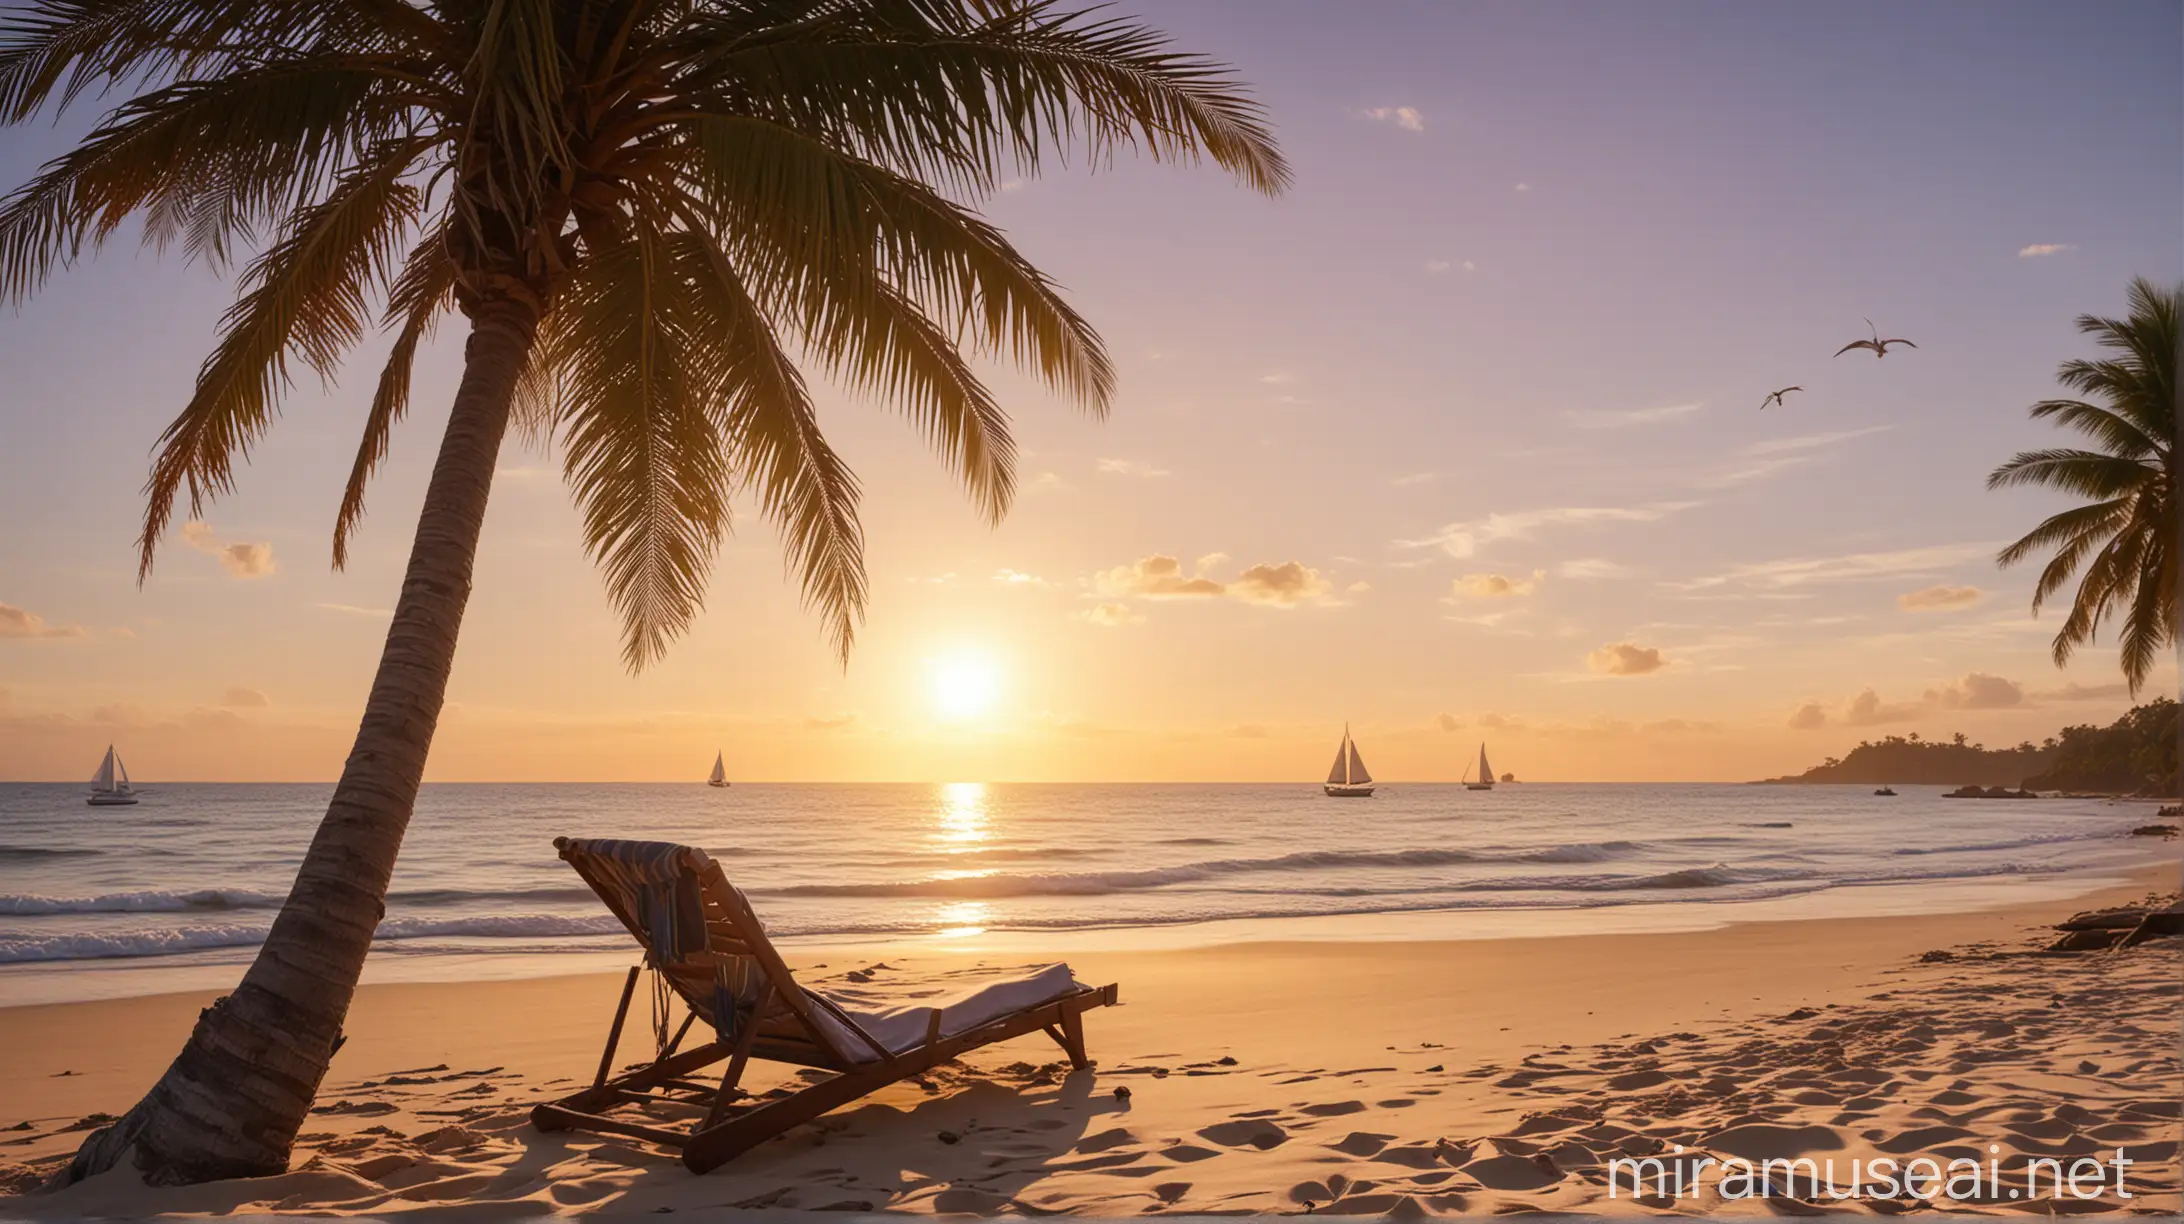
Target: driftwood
column 2123, row 927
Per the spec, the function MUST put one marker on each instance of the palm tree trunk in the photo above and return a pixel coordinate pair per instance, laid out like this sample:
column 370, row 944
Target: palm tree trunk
column 231, row 1103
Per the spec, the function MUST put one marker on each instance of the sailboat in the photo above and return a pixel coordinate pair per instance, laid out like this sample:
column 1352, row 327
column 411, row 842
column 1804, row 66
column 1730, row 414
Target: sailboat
column 1348, row 779
column 110, row 785
column 719, row 776
column 1486, row 774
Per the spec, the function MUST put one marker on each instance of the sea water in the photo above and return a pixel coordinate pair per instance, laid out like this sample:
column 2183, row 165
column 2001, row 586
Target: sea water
column 179, row 890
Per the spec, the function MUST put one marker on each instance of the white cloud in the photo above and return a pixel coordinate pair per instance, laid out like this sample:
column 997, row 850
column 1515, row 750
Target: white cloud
column 1867, row 710
column 1448, row 722
column 1625, row 659
column 353, row 610
column 1804, row 442
column 1415, row 478
column 1134, row 468
column 1157, row 577
column 1591, row 567
column 1624, row 418
column 1524, row 186
column 23, row 623
column 1466, row 538
column 1437, row 266
column 2075, row 691
column 240, row 559
column 1018, row 578
column 1110, row 616
column 1978, row 691
column 1470, row 266
column 1810, row 716
column 2038, row 249
column 1277, row 378
column 245, row 698
column 1405, row 117
column 1939, row 598
column 1285, row 585
column 830, row 722
column 1498, row 586
column 1850, row 567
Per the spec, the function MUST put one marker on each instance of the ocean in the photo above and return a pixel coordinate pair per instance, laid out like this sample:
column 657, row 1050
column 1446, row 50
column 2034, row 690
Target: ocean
column 177, row 891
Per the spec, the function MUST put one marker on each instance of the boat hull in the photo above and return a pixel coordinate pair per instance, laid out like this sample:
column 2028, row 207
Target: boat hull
column 722, row 785
column 1478, row 786
column 1336, row 790
column 111, row 800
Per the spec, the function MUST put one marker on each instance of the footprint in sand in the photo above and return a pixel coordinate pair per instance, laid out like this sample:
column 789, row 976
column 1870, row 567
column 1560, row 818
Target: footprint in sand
column 1334, row 1109
column 1246, row 1132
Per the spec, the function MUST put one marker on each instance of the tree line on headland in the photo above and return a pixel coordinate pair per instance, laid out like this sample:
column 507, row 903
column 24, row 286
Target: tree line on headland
column 2135, row 755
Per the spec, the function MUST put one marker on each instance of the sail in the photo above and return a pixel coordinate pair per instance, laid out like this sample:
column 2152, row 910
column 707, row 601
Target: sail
column 1486, row 771
column 1358, row 776
column 1340, row 774
column 104, row 778
column 122, row 770
column 720, row 771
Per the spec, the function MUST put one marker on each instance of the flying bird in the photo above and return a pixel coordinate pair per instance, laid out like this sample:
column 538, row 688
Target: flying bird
column 1878, row 345
column 1776, row 398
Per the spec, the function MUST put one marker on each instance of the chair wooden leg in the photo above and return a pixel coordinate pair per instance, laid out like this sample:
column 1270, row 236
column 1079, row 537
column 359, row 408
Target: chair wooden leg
column 614, row 1034
column 738, row 1059
column 716, row 1145
column 1073, row 1038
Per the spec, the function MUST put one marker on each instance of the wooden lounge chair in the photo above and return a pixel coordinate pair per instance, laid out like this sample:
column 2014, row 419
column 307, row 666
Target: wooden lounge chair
column 700, row 935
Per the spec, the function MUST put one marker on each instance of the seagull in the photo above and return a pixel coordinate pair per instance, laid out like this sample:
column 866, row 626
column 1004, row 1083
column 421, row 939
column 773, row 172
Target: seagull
column 1776, row 398
column 1878, row 345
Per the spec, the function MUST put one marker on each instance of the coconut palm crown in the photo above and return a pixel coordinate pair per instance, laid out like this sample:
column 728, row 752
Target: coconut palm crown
column 2124, row 538
column 655, row 216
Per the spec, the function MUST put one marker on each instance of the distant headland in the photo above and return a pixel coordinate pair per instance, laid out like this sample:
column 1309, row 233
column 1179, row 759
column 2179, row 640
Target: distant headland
column 2135, row 755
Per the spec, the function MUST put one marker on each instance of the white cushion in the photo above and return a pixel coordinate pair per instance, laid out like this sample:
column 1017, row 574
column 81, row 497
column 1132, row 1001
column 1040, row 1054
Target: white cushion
column 966, row 999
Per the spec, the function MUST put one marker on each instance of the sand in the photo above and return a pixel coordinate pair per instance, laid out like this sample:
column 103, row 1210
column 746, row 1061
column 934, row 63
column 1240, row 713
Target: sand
column 1403, row 1078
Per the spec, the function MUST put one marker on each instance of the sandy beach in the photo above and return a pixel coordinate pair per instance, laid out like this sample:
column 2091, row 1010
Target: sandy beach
column 1364, row 1078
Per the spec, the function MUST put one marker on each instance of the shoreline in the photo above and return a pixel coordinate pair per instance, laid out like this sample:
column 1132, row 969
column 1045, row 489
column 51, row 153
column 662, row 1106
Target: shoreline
column 1441, row 1041
column 33, row 983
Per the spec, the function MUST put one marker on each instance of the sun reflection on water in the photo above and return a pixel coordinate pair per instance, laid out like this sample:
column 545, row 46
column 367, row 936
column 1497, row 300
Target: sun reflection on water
column 961, row 919
column 961, row 817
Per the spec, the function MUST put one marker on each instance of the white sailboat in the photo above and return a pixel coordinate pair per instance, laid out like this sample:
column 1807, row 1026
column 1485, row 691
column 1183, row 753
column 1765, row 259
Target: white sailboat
column 719, row 776
column 1348, row 779
column 1485, row 780
column 110, row 785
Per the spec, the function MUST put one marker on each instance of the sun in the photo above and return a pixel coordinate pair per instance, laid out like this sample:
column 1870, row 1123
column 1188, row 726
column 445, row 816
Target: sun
column 965, row 685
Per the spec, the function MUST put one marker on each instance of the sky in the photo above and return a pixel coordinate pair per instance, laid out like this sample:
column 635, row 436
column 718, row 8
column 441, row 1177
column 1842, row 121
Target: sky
column 1458, row 440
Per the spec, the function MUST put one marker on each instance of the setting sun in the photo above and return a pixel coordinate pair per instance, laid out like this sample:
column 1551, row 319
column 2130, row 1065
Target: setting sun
column 965, row 685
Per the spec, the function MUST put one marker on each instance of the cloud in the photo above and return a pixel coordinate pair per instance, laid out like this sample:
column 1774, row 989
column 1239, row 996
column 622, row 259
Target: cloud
column 1110, row 616
column 1136, row 469
column 1805, row 442
column 830, row 722
column 1018, row 578
column 1359, row 587
column 1047, row 482
column 1466, row 538
column 1867, row 709
column 2038, row 249
column 1524, row 186
column 1978, row 691
column 1415, row 478
column 2074, row 691
column 353, row 610
column 1438, row 266
column 1248, row 731
column 1498, row 586
column 1939, row 598
column 23, row 623
column 1810, row 716
column 1849, row 567
column 1405, row 117
column 1448, row 722
column 1285, row 585
column 1591, row 567
column 1625, row 659
column 239, row 559
column 518, row 475
column 1470, row 266
column 245, row 698
column 1157, row 577
column 1622, row 419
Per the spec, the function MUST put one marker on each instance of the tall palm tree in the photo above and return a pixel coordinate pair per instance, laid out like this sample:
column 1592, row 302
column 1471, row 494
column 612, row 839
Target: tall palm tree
column 2129, row 524
column 641, row 207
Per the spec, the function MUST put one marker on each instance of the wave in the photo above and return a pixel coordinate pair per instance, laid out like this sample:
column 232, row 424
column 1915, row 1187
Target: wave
column 32, row 854
column 1102, row 883
column 2019, row 843
column 172, row 941
column 195, row 901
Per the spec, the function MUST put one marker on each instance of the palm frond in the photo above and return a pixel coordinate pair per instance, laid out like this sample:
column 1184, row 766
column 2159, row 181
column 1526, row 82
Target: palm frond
column 780, row 453
column 2088, row 473
column 425, row 287
column 307, row 298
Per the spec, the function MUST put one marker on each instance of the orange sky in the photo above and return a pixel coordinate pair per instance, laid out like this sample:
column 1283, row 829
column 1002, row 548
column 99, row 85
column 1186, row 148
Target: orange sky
column 1456, row 441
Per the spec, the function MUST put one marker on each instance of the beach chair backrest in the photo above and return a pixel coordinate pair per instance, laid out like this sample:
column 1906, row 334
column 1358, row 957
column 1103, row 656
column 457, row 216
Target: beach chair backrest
column 701, row 935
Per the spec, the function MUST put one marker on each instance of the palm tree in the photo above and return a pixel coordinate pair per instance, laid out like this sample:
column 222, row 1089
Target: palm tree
column 2129, row 524
column 641, row 207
